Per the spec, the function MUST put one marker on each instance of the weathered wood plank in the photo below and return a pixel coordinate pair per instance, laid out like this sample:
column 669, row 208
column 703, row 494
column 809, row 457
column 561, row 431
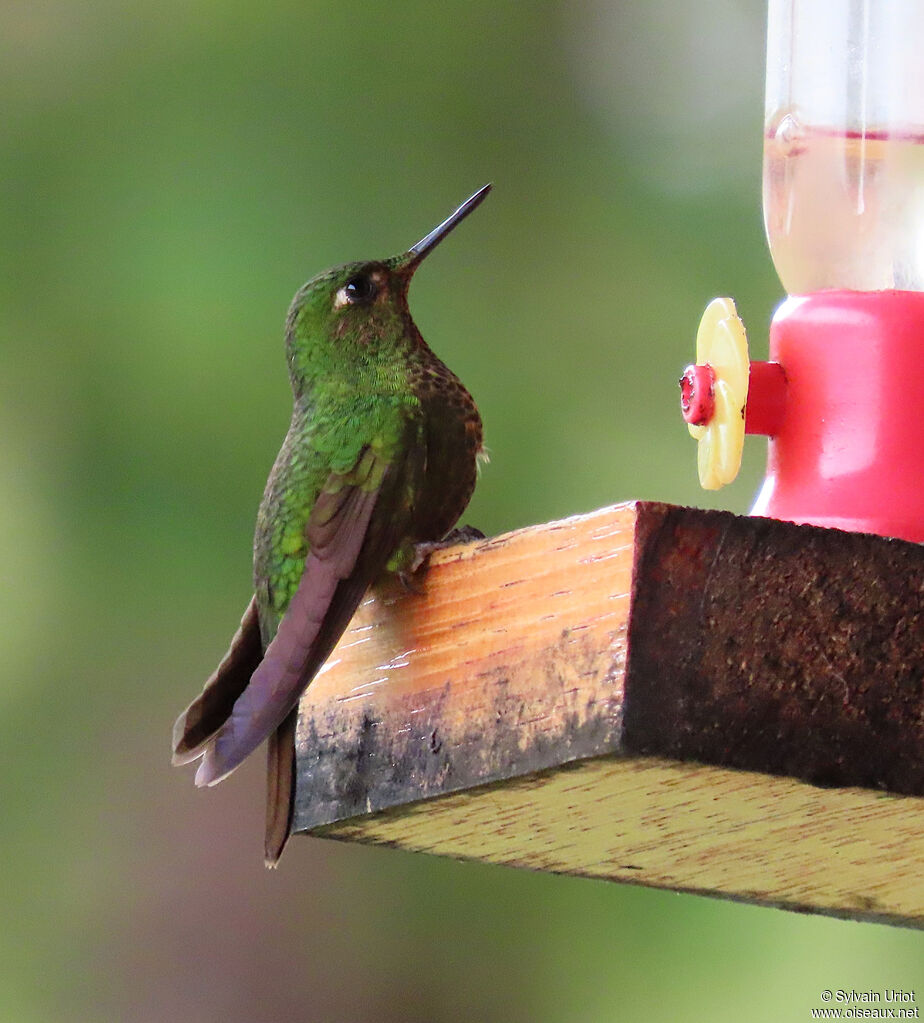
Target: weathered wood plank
column 775, row 647
column 513, row 661
column 687, row 827
column 616, row 640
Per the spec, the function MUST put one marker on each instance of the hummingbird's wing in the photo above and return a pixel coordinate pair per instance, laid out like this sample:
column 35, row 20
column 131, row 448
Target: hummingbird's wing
column 349, row 548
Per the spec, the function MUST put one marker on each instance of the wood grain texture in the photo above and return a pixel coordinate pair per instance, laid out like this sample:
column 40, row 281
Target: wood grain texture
column 687, row 827
column 512, row 661
column 582, row 695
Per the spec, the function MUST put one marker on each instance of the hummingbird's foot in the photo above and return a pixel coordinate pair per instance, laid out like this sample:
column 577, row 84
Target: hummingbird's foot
column 461, row 534
column 422, row 551
column 410, row 580
column 418, row 565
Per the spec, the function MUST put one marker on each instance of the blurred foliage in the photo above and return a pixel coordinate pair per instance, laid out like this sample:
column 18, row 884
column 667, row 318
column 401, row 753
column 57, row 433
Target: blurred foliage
column 170, row 174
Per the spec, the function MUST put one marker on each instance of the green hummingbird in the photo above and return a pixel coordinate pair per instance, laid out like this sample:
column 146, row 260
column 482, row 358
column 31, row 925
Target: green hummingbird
column 378, row 464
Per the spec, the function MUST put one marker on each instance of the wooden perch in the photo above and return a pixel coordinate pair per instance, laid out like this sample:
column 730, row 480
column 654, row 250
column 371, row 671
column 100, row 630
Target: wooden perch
column 649, row 694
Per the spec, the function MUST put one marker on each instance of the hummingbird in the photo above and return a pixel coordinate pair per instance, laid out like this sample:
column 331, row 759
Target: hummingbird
column 379, row 461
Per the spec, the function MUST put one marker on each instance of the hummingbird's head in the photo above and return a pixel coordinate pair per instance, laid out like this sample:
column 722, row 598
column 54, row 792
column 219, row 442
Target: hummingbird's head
column 344, row 320
column 356, row 316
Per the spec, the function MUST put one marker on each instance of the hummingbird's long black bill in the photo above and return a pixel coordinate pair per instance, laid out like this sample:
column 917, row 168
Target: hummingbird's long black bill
column 416, row 253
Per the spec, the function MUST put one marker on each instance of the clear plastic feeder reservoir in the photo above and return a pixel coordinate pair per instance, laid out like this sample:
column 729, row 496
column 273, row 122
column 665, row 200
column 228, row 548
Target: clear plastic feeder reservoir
column 843, row 192
column 844, row 144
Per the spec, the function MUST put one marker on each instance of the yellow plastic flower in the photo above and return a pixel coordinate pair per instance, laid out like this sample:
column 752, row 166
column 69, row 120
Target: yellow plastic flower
column 721, row 345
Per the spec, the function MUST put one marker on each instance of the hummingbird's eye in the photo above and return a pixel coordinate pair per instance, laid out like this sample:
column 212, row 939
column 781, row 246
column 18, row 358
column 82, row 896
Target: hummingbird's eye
column 358, row 290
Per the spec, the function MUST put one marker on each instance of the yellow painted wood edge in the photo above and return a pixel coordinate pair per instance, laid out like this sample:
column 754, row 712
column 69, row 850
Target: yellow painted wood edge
column 736, row 834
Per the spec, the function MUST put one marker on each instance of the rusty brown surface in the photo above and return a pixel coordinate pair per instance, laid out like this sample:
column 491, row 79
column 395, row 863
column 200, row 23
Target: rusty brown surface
column 780, row 648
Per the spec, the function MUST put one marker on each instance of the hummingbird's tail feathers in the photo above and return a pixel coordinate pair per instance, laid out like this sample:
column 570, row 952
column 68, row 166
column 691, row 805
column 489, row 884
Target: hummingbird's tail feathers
column 279, row 679
column 280, row 789
column 197, row 724
column 333, row 582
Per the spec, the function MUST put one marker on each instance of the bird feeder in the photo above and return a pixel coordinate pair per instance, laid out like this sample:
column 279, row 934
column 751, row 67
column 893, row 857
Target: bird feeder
column 585, row 696
column 843, row 200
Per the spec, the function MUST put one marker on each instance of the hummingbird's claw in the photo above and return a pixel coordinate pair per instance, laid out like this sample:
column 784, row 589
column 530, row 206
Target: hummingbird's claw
column 462, row 534
column 422, row 551
column 409, row 577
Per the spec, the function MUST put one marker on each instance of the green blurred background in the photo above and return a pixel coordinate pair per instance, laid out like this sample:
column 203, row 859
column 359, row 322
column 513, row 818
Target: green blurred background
column 170, row 174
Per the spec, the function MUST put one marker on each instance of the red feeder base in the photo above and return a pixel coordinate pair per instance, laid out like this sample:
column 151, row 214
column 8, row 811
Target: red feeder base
column 849, row 450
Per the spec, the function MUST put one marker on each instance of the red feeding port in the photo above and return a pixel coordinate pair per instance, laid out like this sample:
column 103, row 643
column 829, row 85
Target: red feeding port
column 697, row 400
